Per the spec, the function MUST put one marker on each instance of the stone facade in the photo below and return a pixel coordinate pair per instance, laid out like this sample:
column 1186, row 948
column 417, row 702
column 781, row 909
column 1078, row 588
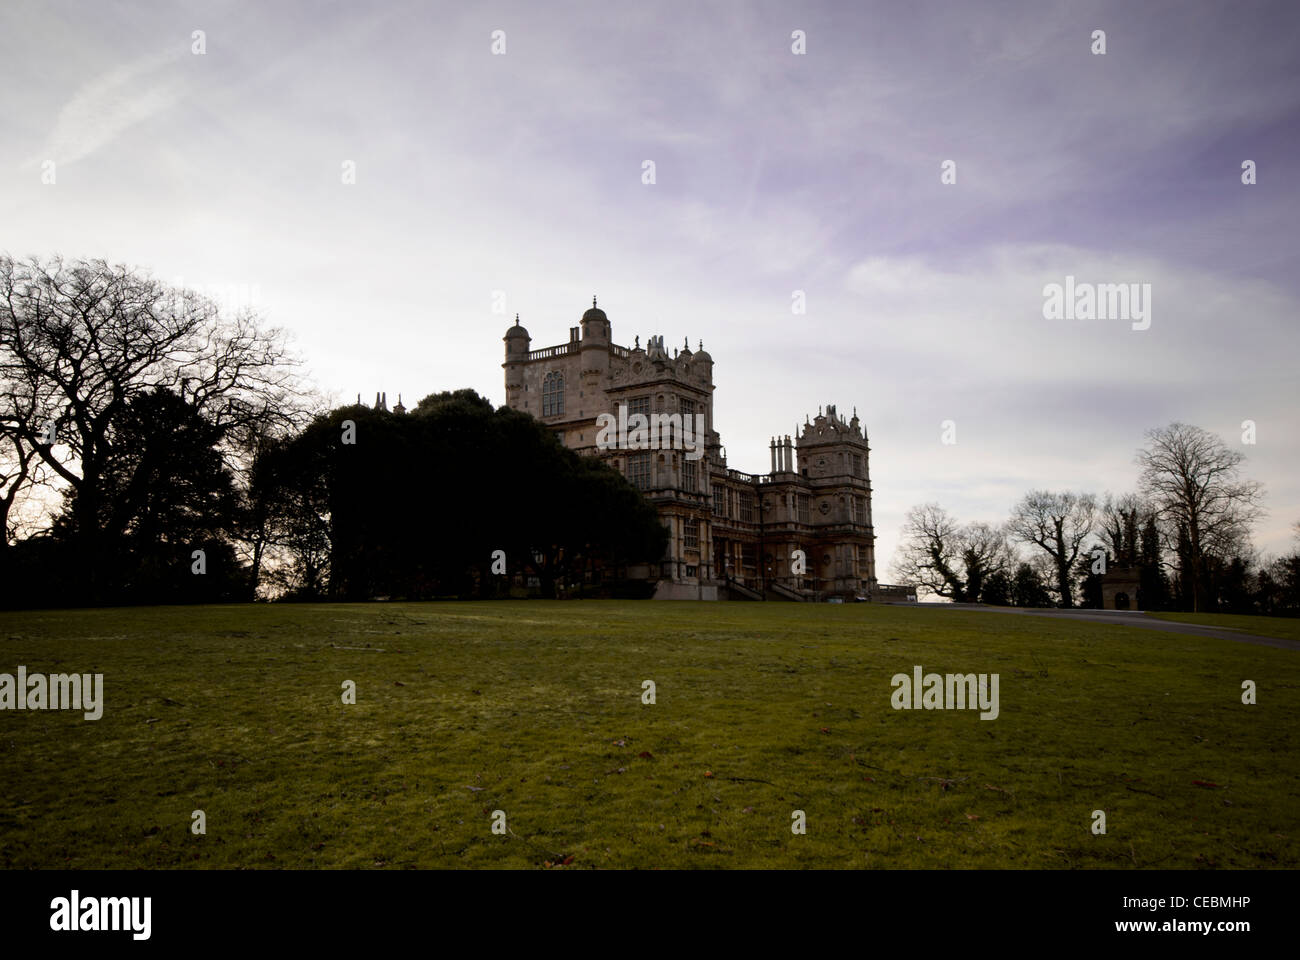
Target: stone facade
column 732, row 533
column 1119, row 588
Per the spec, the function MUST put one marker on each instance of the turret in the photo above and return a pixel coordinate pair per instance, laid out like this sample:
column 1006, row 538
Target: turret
column 595, row 325
column 517, row 343
column 831, row 446
column 595, row 339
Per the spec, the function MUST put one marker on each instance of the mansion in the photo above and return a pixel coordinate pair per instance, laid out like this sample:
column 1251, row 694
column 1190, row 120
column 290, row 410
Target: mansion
column 733, row 534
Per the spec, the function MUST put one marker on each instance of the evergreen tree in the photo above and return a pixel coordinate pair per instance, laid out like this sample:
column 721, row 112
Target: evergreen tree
column 1153, row 591
column 1184, row 589
column 1090, row 595
column 422, row 502
column 997, row 589
column 1028, row 588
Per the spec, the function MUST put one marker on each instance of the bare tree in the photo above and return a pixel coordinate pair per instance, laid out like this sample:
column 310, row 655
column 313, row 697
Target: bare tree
column 17, row 467
column 22, row 469
column 984, row 552
column 80, row 340
column 1120, row 522
column 927, row 557
column 941, row 556
column 1195, row 481
column 1059, row 524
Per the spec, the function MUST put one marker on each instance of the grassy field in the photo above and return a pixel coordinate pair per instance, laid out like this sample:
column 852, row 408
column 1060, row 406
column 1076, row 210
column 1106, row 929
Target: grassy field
column 534, row 708
column 1285, row 628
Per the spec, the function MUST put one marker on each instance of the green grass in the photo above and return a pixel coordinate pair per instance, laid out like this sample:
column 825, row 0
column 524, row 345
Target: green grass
column 1285, row 628
column 535, row 708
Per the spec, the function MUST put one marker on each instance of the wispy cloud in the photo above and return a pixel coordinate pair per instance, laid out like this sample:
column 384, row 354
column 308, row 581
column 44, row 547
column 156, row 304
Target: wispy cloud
column 106, row 106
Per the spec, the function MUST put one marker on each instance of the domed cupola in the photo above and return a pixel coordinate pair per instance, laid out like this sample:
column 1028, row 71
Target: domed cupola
column 595, row 313
column 517, row 331
column 595, row 325
column 517, row 342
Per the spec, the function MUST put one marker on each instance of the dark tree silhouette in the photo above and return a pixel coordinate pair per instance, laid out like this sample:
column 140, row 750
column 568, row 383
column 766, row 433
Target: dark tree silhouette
column 946, row 558
column 1195, row 481
column 417, row 506
column 1058, row 524
column 79, row 341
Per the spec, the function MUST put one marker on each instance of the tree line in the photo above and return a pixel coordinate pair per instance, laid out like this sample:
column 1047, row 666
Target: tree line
column 1186, row 531
column 453, row 498
column 156, row 448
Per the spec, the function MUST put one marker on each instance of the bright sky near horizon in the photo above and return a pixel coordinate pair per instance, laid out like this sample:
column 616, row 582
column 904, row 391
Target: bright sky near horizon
column 775, row 172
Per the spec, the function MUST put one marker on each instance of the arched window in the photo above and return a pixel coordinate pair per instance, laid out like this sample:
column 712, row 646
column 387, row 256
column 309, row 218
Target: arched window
column 553, row 394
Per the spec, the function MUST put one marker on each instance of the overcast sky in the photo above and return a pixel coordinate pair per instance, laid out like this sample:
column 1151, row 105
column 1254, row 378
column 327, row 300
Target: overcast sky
column 775, row 172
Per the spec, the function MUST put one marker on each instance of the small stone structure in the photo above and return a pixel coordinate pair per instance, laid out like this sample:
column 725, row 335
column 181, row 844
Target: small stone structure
column 1119, row 588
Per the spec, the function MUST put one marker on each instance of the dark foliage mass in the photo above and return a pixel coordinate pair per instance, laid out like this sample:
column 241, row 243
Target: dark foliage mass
column 419, row 504
column 415, row 507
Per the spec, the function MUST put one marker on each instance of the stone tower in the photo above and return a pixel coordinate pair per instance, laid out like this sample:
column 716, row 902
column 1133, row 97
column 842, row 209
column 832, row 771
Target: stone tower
column 731, row 533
